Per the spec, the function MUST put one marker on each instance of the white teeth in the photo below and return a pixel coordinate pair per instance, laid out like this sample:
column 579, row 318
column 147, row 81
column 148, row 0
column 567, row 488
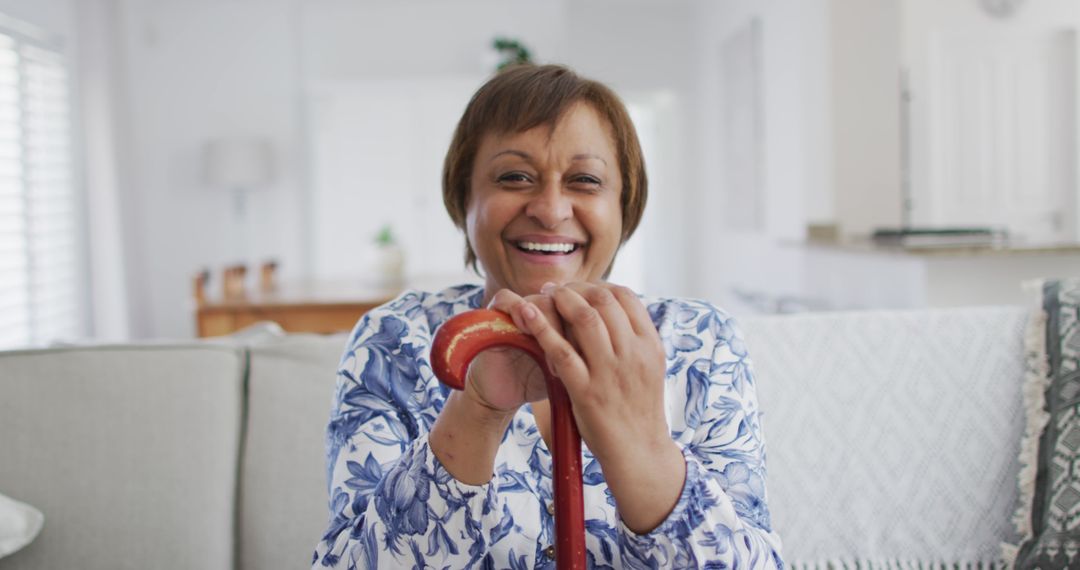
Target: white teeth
column 552, row 247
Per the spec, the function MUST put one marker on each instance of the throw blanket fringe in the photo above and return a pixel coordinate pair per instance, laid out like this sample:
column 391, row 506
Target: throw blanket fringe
column 895, row 565
column 1036, row 382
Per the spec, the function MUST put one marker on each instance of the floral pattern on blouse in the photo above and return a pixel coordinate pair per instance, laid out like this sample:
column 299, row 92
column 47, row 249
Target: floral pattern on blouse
column 393, row 505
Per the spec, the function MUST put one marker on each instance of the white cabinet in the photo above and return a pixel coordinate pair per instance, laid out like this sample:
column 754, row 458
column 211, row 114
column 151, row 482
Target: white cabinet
column 946, row 115
column 998, row 146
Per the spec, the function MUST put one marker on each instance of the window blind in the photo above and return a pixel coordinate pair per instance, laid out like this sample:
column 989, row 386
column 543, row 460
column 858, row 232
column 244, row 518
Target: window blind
column 40, row 256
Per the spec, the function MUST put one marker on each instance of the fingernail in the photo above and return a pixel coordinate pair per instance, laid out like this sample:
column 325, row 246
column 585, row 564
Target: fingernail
column 529, row 311
column 547, row 287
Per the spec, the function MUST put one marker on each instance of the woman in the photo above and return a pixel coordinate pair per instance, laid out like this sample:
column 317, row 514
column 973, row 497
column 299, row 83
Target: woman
column 545, row 177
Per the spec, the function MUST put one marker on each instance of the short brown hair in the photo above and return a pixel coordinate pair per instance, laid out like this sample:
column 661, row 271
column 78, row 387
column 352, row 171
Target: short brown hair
column 523, row 97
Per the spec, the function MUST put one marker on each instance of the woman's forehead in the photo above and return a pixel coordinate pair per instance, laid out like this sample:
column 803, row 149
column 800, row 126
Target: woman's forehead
column 580, row 128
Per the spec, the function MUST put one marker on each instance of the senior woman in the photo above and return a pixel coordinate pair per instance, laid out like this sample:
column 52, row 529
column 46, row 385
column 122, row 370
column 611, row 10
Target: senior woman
column 545, row 177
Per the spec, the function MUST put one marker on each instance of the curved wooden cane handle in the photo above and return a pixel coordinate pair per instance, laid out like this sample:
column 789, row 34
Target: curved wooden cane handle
column 456, row 343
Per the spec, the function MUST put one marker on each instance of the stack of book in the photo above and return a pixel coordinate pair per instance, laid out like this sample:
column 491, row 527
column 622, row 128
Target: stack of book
column 918, row 238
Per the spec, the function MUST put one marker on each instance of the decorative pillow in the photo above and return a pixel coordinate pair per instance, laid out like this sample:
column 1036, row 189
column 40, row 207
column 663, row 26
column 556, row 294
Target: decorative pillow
column 1048, row 518
column 254, row 334
column 19, row 524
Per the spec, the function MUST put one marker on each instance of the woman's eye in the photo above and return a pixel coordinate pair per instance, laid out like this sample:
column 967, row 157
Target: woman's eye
column 516, row 178
column 586, row 180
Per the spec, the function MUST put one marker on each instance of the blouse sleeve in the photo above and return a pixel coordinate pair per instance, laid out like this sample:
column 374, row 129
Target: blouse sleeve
column 392, row 504
column 721, row 519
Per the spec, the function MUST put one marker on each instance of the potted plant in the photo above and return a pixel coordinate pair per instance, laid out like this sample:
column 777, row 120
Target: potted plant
column 390, row 263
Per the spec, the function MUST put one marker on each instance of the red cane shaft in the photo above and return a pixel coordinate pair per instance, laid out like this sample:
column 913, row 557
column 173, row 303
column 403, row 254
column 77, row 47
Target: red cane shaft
column 456, row 343
column 569, row 495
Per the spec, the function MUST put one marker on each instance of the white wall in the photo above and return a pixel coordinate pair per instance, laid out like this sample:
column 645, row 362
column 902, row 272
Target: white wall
column 99, row 74
column 865, row 99
column 795, row 119
column 55, row 15
column 383, row 38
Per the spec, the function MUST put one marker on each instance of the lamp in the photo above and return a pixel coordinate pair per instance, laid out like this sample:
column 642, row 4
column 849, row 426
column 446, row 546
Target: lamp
column 240, row 164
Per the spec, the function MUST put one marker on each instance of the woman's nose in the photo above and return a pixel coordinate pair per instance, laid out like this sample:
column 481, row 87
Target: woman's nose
column 551, row 206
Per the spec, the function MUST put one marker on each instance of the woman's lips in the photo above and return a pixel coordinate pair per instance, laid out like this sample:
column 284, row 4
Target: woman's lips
column 546, row 248
column 546, row 253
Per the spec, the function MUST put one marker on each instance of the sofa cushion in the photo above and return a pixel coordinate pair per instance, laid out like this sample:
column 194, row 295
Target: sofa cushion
column 283, row 504
column 892, row 437
column 130, row 452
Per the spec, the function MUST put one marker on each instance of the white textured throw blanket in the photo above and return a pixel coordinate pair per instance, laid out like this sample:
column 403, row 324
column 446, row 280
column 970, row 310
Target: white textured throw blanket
column 892, row 437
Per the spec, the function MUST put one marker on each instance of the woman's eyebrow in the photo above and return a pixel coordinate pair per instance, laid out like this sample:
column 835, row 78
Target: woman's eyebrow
column 513, row 152
column 589, row 156
column 526, row 156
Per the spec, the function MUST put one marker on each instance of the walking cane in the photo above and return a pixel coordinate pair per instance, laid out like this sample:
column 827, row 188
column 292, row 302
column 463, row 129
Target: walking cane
column 456, row 343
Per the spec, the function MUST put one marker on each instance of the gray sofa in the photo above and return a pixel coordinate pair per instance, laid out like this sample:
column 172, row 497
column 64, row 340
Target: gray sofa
column 892, row 438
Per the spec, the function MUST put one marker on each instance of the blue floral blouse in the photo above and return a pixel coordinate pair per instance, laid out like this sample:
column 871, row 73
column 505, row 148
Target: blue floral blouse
column 393, row 505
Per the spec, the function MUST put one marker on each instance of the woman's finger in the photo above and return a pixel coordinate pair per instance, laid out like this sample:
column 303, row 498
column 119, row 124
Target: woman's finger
column 562, row 359
column 547, row 306
column 600, row 296
column 586, row 325
column 505, row 300
column 636, row 312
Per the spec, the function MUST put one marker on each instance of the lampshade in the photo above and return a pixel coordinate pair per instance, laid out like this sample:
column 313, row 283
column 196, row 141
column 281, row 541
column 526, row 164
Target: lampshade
column 239, row 162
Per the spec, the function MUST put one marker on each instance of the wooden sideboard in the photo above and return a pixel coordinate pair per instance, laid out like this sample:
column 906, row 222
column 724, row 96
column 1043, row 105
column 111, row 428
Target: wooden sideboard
column 314, row 307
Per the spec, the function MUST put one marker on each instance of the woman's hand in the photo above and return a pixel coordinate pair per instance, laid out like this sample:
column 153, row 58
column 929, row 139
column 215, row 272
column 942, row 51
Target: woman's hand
column 502, row 378
column 611, row 361
column 468, row 431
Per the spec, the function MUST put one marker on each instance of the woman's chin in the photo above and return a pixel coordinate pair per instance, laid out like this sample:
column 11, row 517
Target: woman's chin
column 532, row 281
column 529, row 279
column 533, row 285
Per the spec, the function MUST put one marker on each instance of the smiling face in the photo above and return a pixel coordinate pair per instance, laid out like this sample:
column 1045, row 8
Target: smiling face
column 544, row 204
